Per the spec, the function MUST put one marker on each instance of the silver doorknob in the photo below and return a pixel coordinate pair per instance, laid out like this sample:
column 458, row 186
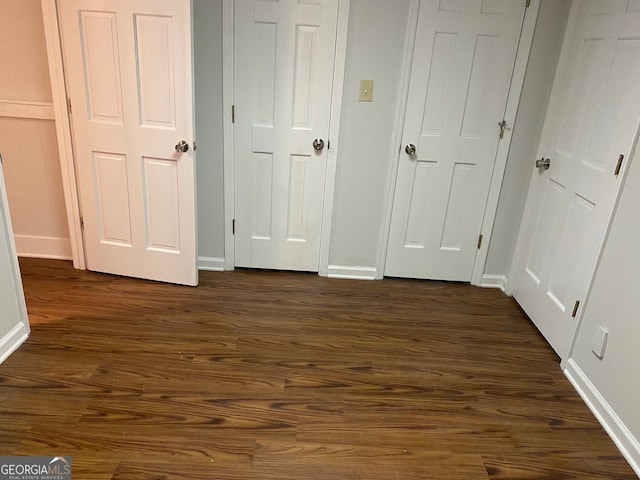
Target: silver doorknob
column 410, row 149
column 318, row 144
column 182, row 146
column 543, row 163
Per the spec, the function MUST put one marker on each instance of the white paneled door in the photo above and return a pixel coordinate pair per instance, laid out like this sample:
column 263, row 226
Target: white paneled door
column 129, row 78
column 461, row 72
column 588, row 136
column 283, row 72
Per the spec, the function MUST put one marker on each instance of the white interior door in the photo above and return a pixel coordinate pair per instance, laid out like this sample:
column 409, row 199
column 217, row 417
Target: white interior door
column 14, row 322
column 590, row 126
column 284, row 60
column 129, row 77
column 461, row 71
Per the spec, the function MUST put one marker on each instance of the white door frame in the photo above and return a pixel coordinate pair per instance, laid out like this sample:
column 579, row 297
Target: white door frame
column 334, row 131
column 511, row 110
column 63, row 131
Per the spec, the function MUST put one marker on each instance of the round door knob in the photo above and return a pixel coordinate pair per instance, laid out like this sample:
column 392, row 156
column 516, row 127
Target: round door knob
column 182, row 146
column 318, row 144
column 543, row 163
column 410, row 149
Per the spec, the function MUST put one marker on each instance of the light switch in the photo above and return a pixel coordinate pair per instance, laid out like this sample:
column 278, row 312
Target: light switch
column 366, row 90
column 599, row 344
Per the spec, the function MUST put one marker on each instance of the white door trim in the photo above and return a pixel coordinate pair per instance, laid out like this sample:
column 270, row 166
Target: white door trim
column 511, row 110
column 63, row 131
column 334, row 131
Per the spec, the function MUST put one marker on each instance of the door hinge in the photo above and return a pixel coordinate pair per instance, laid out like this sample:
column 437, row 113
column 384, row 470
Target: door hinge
column 69, row 105
column 233, row 226
column 233, row 114
column 479, row 241
column 619, row 165
column 528, row 4
column 575, row 309
column 82, row 222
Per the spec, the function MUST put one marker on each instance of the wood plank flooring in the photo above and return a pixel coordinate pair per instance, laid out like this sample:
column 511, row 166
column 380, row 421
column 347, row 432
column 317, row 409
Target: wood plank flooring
column 269, row 375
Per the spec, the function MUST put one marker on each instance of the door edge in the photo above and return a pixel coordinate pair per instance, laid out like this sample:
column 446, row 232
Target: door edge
column 403, row 98
column 228, row 153
column 511, row 110
column 335, row 116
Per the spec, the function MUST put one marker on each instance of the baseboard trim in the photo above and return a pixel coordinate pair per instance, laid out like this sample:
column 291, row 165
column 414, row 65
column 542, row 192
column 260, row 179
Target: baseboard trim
column 495, row 281
column 613, row 425
column 43, row 247
column 13, row 340
column 211, row 264
column 354, row 273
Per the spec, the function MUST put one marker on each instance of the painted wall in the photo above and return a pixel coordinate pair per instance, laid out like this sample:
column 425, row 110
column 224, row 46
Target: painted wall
column 375, row 50
column 543, row 59
column 25, row 72
column 207, row 16
column 28, row 145
column 614, row 304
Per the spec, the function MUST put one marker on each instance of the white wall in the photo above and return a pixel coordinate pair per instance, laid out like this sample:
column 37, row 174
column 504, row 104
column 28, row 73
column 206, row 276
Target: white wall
column 543, row 59
column 27, row 135
column 614, row 303
column 376, row 44
column 207, row 16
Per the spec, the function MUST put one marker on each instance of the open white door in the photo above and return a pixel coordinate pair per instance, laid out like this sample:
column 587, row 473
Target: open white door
column 284, row 60
column 461, row 72
column 129, row 78
column 14, row 322
column 589, row 134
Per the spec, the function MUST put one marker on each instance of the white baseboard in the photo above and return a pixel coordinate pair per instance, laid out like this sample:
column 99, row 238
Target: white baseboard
column 619, row 433
column 495, row 281
column 13, row 340
column 354, row 273
column 43, row 247
column 211, row 264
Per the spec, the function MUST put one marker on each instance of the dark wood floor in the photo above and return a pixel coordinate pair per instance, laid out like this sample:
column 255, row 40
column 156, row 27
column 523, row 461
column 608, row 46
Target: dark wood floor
column 265, row 375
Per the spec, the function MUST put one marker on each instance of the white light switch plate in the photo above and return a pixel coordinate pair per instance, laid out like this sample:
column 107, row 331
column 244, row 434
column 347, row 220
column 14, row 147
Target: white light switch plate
column 366, row 90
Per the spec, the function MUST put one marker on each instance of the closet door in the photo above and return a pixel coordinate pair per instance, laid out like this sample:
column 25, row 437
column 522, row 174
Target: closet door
column 463, row 61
